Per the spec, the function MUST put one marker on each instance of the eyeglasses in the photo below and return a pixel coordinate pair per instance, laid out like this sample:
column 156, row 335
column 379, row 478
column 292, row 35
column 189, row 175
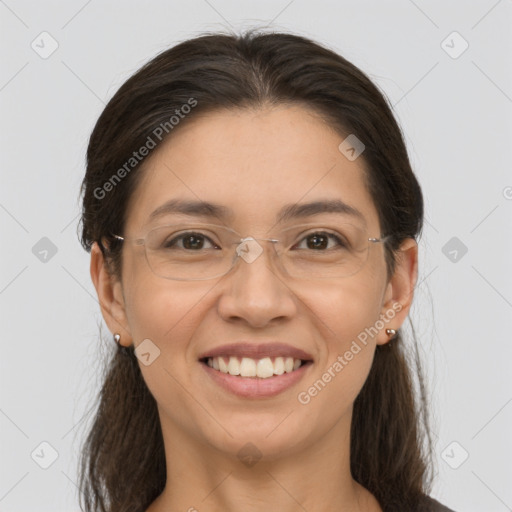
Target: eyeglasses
column 196, row 252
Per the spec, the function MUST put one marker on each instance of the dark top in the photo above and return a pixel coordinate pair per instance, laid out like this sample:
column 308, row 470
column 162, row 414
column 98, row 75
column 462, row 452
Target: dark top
column 431, row 505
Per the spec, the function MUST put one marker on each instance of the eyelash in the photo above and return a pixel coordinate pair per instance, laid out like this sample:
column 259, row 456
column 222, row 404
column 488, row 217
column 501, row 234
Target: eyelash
column 332, row 236
column 340, row 242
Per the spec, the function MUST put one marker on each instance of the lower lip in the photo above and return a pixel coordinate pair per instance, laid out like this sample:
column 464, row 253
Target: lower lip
column 255, row 387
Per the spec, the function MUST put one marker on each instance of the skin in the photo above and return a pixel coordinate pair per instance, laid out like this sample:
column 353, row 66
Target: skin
column 254, row 161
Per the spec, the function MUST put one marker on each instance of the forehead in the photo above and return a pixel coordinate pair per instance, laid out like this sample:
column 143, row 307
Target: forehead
column 252, row 161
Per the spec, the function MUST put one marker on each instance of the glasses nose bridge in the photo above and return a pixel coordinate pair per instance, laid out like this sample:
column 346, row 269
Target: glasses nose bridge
column 250, row 249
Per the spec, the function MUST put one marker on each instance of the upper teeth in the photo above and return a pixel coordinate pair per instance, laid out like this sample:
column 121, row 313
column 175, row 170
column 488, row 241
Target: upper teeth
column 248, row 367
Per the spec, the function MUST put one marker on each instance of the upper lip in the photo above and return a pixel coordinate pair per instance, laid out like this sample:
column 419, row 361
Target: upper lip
column 257, row 351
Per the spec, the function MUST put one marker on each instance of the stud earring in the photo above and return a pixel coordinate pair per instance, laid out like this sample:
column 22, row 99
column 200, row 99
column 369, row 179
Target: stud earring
column 391, row 332
column 117, row 339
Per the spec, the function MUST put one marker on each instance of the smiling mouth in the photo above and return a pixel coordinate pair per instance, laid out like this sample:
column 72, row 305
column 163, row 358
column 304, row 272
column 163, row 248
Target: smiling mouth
column 247, row 367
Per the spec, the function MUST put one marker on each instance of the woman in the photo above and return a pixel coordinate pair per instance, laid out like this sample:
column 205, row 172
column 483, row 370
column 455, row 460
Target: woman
column 252, row 218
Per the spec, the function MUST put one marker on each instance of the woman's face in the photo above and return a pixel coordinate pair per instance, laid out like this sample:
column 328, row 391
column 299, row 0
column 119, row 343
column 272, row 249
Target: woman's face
column 253, row 163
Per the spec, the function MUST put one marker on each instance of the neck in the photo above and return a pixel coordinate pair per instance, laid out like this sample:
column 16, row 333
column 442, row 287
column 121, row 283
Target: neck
column 315, row 478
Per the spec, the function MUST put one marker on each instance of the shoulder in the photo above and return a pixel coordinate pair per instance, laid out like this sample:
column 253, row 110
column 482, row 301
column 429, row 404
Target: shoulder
column 429, row 504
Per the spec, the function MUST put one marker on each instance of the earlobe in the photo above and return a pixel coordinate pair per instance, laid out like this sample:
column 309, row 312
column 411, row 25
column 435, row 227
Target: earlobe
column 110, row 296
column 400, row 290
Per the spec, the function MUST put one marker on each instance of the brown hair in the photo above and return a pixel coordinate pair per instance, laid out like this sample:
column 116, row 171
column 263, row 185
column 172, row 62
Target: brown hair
column 390, row 441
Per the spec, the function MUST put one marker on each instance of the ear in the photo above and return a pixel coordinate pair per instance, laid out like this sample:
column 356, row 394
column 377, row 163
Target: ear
column 110, row 296
column 400, row 289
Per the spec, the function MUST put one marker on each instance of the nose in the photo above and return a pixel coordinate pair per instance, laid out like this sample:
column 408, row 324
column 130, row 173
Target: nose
column 255, row 291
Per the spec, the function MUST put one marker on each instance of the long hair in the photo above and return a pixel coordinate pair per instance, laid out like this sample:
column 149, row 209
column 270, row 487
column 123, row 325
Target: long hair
column 390, row 440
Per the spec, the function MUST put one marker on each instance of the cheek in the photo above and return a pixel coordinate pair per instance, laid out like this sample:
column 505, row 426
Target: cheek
column 344, row 318
column 165, row 312
column 156, row 308
column 343, row 312
column 168, row 315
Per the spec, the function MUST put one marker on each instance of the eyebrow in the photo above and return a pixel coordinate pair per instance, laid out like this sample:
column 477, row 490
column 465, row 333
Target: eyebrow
column 290, row 211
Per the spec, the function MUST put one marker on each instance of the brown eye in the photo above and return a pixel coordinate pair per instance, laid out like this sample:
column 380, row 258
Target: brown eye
column 189, row 241
column 320, row 241
column 317, row 241
column 193, row 242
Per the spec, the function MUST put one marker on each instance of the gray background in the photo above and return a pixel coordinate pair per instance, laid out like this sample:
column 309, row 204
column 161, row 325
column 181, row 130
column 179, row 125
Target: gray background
column 455, row 109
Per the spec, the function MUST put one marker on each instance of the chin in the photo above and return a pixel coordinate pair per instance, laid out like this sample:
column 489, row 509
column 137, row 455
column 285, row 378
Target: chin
column 265, row 436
